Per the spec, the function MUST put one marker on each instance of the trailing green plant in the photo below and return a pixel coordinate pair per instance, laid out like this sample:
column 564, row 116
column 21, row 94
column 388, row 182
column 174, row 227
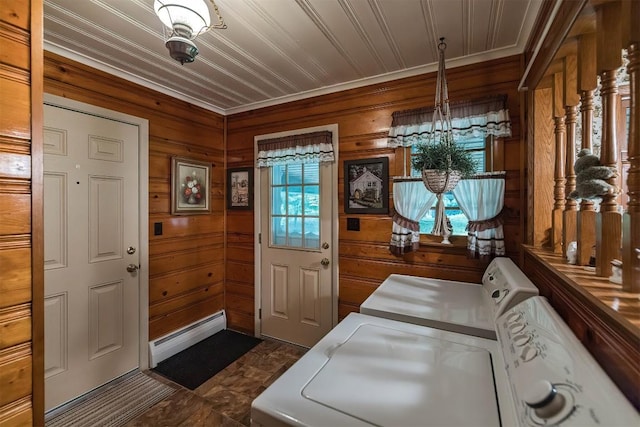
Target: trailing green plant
column 444, row 156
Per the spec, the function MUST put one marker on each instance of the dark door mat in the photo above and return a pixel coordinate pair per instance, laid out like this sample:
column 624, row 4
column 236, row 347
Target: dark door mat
column 195, row 365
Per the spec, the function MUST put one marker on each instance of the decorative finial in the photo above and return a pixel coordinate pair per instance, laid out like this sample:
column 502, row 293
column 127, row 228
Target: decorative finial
column 442, row 45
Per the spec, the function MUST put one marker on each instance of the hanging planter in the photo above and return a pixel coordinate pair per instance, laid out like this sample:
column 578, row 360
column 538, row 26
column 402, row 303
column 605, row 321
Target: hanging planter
column 440, row 181
column 442, row 162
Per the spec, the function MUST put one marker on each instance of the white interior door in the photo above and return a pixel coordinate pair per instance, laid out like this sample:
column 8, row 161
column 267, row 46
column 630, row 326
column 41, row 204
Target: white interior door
column 296, row 252
column 91, row 237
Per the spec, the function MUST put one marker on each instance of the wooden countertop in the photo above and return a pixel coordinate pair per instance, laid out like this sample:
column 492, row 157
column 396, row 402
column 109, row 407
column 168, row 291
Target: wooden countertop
column 624, row 305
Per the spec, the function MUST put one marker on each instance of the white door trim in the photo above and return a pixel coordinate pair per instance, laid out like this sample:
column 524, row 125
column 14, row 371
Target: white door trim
column 333, row 128
column 143, row 206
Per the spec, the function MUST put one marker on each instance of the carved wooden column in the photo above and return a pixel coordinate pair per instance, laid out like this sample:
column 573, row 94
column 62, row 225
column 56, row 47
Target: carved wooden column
column 609, row 219
column 559, row 180
column 570, row 216
column 571, row 100
column 587, row 83
column 631, row 218
column 586, row 219
column 609, row 59
column 558, row 175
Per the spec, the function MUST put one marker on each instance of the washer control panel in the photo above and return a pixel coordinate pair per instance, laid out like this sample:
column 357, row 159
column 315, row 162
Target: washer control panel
column 554, row 379
column 506, row 285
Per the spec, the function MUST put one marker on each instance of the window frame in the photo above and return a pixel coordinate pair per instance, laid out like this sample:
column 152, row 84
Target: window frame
column 285, row 186
column 493, row 161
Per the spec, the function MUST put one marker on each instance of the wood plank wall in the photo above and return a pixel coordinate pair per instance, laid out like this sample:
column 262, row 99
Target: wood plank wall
column 364, row 116
column 186, row 271
column 541, row 167
column 21, row 355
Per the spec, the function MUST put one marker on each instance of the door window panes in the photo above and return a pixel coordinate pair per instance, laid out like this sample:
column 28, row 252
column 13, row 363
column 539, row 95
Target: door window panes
column 295, row 206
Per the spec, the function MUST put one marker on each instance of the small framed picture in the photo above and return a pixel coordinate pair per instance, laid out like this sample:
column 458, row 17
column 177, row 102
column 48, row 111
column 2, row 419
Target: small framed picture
column 240, row 188
column 190, row 186
column 366, row 186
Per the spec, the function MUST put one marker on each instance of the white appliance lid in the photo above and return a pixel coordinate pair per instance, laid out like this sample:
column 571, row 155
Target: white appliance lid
column 455, row 306
column 387, row 377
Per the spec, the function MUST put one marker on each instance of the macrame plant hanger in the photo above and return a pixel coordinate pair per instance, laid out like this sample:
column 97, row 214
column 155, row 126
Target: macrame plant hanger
column 440, row 182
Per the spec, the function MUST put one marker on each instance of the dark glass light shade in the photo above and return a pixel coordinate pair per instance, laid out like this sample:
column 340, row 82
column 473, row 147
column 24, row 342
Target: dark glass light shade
column 182, row 49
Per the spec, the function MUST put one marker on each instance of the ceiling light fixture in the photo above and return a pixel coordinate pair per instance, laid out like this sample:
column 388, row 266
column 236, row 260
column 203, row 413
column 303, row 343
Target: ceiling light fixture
column 186, row 20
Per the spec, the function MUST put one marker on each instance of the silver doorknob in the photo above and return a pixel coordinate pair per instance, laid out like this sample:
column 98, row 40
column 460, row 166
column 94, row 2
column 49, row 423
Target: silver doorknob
column 131, row 268
column 325, row 261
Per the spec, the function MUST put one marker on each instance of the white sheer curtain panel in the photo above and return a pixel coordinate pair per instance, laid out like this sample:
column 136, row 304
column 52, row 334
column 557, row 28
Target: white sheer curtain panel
column 481, row 199
column 411, row 201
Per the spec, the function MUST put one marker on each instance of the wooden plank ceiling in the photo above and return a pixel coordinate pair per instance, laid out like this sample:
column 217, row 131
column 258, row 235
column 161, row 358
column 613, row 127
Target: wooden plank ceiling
column 275, row 51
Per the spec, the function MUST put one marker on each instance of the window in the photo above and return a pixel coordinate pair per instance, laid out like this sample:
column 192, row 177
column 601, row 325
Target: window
column 295, row 206
column 478, row 147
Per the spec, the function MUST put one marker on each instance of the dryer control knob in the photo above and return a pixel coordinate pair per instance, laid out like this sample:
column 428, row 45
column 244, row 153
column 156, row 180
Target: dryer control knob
column 544, row 399
column 528, row 353
column 521, row 339
column 516, row 327
column 514, row 317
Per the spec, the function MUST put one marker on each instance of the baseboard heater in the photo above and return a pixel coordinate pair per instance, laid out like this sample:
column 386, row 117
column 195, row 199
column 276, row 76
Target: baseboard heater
column 170, row 344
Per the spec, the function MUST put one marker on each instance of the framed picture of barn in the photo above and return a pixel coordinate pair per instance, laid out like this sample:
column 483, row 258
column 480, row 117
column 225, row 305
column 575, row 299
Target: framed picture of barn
column 366, row 186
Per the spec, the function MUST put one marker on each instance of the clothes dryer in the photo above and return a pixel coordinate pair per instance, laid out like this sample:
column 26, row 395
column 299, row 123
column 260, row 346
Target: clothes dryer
column 468, row 308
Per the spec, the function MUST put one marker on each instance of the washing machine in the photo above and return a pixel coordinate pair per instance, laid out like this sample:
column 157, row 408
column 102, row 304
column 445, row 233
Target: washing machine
column 372, row 371
column 468, row 308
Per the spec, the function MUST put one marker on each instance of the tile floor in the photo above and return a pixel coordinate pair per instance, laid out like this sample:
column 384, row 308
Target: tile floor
column 225, row 399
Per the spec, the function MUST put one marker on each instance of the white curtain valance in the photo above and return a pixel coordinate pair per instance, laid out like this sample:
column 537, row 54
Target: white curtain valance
column 302, row 148
column 472, row 119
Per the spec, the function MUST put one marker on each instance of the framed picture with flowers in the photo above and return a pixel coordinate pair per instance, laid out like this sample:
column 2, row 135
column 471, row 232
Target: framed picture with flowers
column 190, row 186
column 240, row 188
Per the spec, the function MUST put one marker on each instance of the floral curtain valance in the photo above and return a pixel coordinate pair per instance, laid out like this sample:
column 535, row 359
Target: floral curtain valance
column 301, row 148
column 475, row 118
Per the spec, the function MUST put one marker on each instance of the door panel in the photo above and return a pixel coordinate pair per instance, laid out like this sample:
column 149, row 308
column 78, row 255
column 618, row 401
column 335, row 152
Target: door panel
column 55, row 317
column 91, row 217
column 55, row 200
column 105, row 319
column 310, row 296
column 296, row 212
column 280, row 291
column 106, row 218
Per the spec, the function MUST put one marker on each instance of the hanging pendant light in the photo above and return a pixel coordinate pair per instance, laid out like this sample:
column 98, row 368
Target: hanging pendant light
column 186, row 20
